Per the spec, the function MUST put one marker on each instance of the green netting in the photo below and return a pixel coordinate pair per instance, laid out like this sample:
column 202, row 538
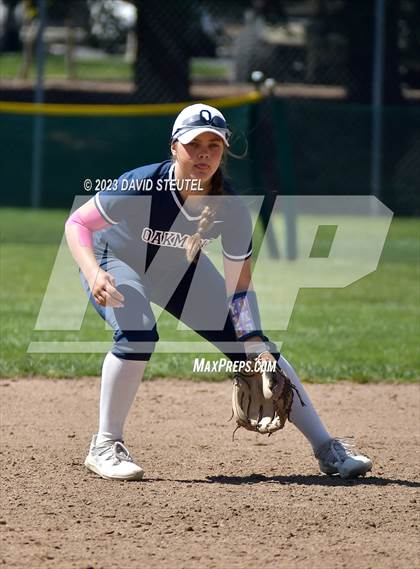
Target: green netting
column 296, row 146
column 329, row 146
column 75, row 148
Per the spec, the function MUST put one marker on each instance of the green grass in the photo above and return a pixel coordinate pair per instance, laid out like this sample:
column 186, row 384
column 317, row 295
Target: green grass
column 368, row 331
column 111, row 68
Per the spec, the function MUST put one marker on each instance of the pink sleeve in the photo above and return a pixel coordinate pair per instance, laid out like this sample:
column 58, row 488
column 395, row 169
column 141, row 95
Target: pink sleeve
column 86, row 223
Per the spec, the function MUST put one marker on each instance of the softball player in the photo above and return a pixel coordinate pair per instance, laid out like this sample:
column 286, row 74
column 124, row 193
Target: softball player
column 142, row 243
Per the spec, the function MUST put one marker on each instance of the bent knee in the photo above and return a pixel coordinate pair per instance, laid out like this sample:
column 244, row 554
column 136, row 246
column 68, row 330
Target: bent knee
column 135, row 344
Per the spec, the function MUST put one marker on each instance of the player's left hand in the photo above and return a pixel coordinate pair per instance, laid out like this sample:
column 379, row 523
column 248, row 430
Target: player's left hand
column 262, row 399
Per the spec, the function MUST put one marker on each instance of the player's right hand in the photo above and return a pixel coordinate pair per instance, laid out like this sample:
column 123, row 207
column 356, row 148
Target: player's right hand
column 104, row 291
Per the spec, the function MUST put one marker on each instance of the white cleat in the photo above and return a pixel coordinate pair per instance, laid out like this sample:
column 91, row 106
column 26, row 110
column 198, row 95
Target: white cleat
column 335, row 457
column 111, row 460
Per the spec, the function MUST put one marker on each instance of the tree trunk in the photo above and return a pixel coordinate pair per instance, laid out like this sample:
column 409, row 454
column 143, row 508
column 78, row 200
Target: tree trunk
column 359, row 17
column 10, row 39
column 161, row 70
column 392, row 94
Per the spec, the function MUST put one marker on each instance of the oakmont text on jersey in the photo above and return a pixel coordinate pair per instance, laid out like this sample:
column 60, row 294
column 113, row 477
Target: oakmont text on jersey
column 147, row 184
column 227, row 366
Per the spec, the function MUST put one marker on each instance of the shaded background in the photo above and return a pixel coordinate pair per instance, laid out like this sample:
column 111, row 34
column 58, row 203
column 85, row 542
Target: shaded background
column 342, row 115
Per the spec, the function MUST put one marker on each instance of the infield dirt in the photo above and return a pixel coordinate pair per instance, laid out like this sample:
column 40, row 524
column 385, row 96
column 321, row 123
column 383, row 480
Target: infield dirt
column 206, row 502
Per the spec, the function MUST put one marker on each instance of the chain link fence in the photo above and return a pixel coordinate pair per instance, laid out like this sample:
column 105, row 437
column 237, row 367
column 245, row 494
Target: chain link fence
column 321, row 54
column 159, row 51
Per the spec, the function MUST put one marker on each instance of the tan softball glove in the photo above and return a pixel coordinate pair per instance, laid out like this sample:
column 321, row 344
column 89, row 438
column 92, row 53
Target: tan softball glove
column 262, row 400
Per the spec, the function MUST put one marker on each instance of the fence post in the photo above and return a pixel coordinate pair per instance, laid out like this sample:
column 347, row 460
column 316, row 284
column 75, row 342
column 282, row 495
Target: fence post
column 377, row 92
column 37, row 140
column 266, row 174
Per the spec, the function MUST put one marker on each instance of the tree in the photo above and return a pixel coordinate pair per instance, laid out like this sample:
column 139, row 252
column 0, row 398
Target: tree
column 168, row 34
column 161, row 68
column 10, row 41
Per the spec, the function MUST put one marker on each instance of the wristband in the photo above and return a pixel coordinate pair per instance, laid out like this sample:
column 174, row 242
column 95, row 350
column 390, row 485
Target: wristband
column 245, row 315
column 257, row 349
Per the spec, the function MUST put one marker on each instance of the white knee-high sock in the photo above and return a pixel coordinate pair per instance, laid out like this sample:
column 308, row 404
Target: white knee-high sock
column 305, row 418
column 120, row 381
